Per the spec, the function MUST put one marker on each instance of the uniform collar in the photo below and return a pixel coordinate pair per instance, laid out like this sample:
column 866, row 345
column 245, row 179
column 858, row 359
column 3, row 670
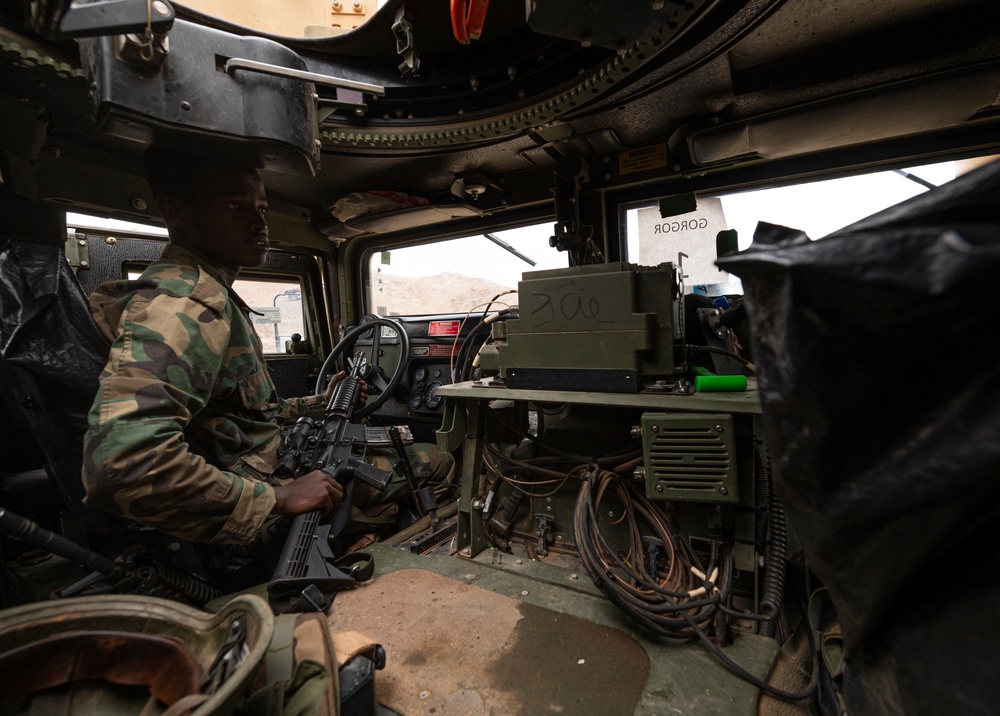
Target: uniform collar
column 186, row 256
column 174, row 252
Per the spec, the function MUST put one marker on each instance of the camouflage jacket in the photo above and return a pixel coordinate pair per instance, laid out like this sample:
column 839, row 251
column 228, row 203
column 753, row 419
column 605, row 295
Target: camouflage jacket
column 185, row 429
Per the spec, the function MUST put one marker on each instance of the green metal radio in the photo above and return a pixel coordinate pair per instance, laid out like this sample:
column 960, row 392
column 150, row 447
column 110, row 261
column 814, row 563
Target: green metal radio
column 603, row 327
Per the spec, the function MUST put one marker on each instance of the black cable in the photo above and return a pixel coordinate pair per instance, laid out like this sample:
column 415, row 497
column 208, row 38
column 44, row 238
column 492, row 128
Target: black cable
column 465, row 351
column 774, row 559
column 578, row 459
column 720, row 351
column 742, row 673
column 623, row 577
column 686, row 617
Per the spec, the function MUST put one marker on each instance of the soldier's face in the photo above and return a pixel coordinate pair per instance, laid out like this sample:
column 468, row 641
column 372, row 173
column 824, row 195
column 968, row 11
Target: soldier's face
column 225, row 222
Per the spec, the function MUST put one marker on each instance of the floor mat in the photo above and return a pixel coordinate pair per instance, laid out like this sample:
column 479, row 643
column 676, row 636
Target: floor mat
column 454, row 648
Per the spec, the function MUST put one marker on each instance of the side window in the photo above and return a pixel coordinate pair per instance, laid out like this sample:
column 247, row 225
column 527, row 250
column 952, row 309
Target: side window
column 279, row 304
column 818, row 208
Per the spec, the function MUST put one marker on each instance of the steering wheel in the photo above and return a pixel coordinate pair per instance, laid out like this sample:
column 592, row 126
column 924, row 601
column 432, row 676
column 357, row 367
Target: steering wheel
column 373, row 374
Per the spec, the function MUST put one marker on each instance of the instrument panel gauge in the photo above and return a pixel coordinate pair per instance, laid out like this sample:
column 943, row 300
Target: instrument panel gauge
column 431, row 399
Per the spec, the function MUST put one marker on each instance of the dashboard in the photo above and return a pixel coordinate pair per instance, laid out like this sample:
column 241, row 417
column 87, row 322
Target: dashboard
column 435, row 347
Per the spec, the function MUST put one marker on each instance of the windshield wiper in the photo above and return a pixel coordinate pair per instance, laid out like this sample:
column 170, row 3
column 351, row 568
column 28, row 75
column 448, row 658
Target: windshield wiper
column 914, row 177
column 504, row 245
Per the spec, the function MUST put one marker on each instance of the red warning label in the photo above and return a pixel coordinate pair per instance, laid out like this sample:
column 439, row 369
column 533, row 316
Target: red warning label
column 438, row 351
column 443, row 328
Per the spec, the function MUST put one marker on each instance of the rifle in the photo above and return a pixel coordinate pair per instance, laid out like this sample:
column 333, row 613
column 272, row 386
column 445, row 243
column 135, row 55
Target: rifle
column 308, row 573
column 135, row 572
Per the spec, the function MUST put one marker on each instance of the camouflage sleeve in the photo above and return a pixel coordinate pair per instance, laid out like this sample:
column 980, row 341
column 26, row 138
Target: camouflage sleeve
column 161, row 372
column 295, row 408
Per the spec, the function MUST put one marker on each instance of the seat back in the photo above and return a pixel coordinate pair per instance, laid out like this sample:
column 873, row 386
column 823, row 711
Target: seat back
column 51, row 358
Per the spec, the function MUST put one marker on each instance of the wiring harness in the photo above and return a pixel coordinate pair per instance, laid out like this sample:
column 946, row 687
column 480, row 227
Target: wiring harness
column 636, row 556
column 658, row 580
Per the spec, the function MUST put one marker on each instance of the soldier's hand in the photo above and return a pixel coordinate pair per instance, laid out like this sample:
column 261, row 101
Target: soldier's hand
column 362, row 389
column 334, row 379
column 313, row 491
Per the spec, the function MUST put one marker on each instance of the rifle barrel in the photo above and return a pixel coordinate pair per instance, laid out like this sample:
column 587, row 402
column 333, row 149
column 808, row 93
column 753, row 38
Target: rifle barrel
column 24, row 530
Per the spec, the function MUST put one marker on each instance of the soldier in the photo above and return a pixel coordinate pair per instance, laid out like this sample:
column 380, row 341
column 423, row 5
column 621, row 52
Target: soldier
column 186, row 426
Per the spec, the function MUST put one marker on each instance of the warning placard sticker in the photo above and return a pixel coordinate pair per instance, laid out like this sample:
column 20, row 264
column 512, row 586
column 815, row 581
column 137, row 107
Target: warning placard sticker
column 643, row 159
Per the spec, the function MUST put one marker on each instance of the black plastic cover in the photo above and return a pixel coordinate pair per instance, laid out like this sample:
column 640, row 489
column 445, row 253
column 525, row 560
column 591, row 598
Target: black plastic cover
column 52, row 355
column 45, row 322
column 192, row 103
column 880, row 383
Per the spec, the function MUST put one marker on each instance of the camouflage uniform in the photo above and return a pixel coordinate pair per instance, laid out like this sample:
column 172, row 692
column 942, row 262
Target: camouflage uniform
column 186, row 427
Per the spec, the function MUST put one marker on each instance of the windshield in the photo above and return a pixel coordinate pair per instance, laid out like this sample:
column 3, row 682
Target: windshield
column 457, row 275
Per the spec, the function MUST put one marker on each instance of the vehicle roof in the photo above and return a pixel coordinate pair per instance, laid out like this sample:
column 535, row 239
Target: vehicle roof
column 735, row 93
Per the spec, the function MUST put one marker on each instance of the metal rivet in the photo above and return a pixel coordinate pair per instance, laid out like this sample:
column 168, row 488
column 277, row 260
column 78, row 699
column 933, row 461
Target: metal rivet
column 110, row 240
column 718, row 428
column 139, row 204
column 574, row 576
column 524, row 592
column 723, row 490
column 185, row 105
column 659, row 487
column 518, row 561
column 161, row 7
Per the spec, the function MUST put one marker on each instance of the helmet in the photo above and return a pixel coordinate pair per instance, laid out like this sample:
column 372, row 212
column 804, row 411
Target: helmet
column 113, row 653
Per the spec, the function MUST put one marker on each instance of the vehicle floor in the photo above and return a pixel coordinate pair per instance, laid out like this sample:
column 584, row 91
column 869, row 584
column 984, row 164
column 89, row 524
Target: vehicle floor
column 508, row 634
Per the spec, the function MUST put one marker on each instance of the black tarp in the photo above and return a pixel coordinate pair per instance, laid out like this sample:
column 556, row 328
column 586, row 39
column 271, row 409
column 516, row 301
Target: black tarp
column 52, row 356
column 876, row 350
column 45, row 323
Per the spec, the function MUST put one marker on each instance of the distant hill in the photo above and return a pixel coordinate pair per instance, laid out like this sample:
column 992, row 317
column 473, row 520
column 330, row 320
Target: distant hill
column 448, row 292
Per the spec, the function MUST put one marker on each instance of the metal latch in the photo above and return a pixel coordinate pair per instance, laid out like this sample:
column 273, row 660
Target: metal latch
column 76, row 249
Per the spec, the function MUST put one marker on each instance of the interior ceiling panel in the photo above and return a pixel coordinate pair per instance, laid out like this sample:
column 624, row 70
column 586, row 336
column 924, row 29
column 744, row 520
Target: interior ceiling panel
column 517, row 103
